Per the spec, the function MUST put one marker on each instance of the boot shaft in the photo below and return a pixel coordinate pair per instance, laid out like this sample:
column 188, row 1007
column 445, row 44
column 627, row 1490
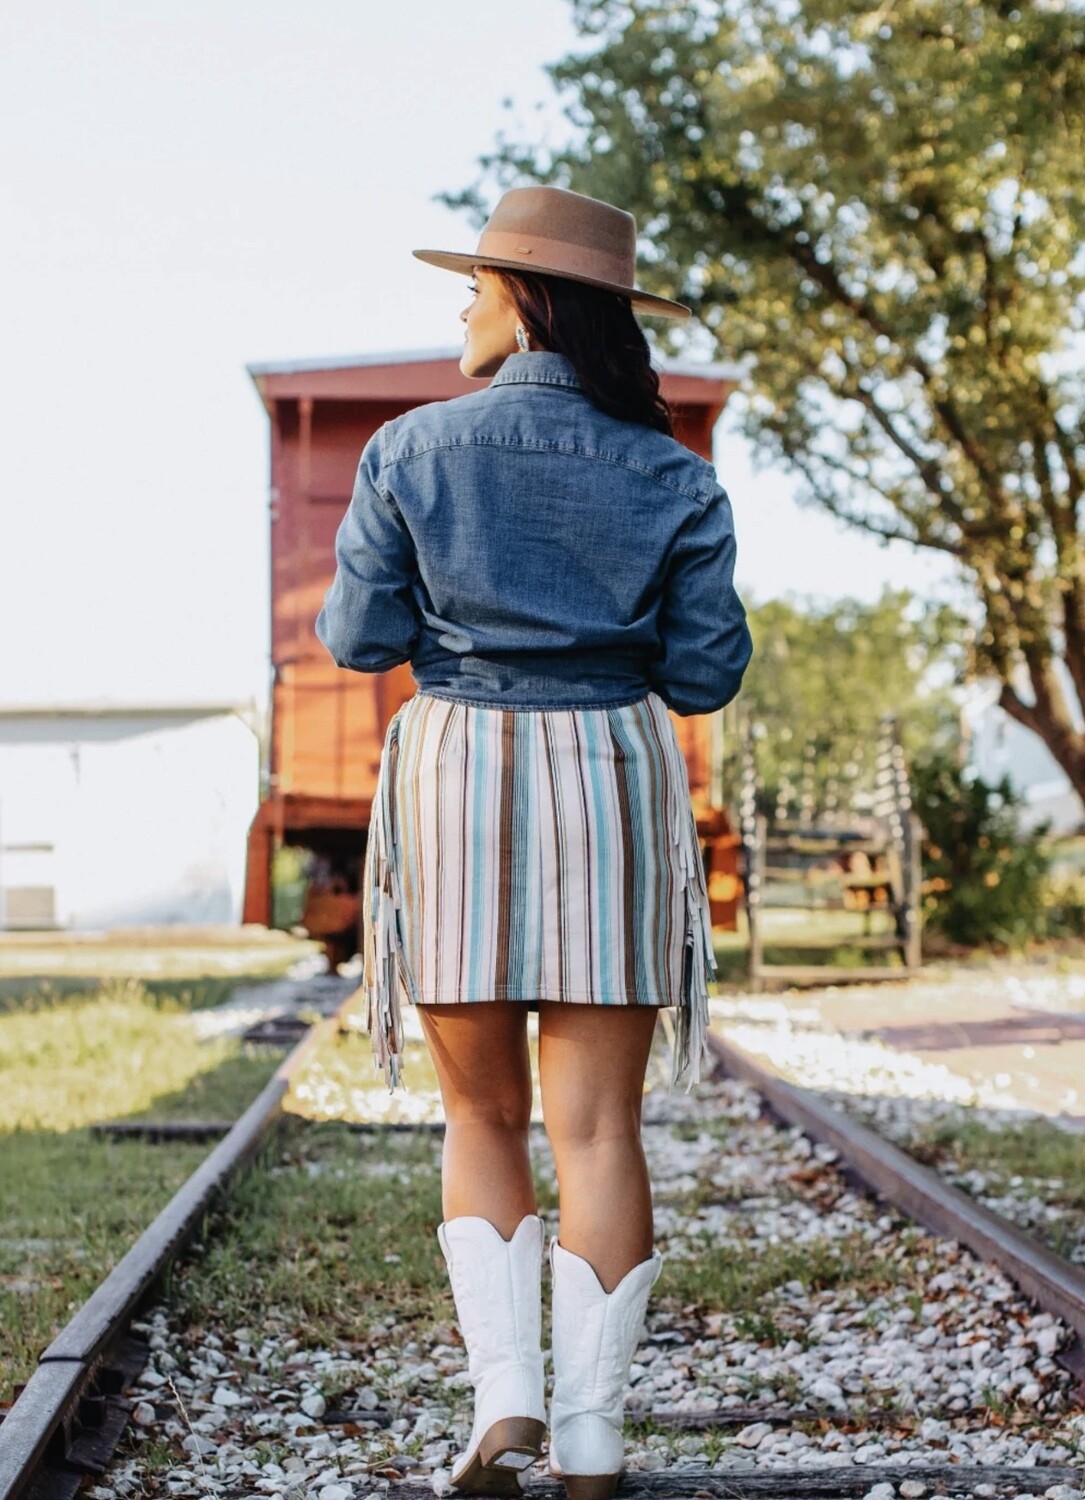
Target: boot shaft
column 497, row 1289
column 595, row 1333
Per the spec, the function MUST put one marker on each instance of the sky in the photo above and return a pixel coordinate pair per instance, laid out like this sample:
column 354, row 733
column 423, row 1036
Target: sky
column 189, row 189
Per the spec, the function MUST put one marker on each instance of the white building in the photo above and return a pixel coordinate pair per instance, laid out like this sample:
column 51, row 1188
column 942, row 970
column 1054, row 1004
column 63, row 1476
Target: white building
column 119, row 816
column 999, row 746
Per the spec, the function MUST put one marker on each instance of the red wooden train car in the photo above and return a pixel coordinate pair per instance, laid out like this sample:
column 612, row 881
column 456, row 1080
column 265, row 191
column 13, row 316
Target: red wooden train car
column 328, row 725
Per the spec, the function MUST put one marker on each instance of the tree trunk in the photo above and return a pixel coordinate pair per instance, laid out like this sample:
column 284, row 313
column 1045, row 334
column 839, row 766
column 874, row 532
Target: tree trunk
column 1066, row 744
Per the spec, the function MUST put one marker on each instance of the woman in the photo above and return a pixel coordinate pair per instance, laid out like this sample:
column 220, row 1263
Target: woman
column 558, row 570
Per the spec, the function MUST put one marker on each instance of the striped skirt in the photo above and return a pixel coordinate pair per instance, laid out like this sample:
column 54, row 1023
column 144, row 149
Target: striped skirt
column 527, row 855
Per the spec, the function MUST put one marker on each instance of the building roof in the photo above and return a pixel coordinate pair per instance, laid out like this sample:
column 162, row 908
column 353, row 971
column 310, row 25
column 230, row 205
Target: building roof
column 415, row 375
column 708, row 369
column 110, row 709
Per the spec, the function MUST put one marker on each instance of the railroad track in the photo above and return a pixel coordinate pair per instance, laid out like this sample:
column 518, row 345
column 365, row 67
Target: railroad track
column 67, row 1419
column 72, row 1411
column 1053, row 1283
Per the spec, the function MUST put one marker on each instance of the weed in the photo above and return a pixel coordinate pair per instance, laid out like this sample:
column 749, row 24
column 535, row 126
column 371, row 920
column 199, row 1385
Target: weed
column 1034, row 1149
column 760, row 1328
column 729, row 1278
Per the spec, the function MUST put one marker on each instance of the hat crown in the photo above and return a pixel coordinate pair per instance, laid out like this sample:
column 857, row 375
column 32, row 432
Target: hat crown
column 556, row 232
column 557, row 214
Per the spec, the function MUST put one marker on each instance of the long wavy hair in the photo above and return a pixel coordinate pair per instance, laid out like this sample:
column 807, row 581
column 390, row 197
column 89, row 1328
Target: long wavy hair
column 598, row 334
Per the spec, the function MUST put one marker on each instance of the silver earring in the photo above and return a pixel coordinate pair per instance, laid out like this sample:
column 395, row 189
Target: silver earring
column 521, row 339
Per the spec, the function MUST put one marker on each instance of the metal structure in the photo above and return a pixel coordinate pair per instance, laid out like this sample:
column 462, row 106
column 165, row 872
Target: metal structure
column 1054, row 1283
column 69, row 1416
column 328, row 725
column 841, row 845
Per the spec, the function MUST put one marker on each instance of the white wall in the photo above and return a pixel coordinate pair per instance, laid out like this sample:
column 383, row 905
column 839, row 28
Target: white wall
column 147, row 813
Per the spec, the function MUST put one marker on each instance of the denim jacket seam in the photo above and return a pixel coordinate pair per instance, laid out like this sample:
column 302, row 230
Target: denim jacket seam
column 541, row 445
column 383, row 466
column 568, row 385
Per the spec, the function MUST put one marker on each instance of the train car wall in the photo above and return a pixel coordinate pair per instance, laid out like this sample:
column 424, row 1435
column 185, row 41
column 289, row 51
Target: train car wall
column 125, row 816
column 328, row 725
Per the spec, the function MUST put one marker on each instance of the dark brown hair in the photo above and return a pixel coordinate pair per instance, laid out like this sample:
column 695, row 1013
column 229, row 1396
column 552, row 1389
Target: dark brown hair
column 598, row 334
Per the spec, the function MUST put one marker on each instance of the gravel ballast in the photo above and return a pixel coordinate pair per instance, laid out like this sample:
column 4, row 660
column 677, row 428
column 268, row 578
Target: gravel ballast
column 783, row 1291
column 910, row 1100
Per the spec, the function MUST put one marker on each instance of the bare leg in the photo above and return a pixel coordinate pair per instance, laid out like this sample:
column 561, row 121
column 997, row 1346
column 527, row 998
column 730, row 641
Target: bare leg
column 592, row 1062
column 483, row 1065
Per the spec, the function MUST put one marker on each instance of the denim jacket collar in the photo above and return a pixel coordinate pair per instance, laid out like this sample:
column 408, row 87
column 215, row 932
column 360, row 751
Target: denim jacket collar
column 537, row 367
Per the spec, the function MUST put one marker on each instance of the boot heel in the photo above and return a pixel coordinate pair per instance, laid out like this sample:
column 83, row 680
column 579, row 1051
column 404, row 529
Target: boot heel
column 590, row 1486
column 512, row 1443
column 508, row 1448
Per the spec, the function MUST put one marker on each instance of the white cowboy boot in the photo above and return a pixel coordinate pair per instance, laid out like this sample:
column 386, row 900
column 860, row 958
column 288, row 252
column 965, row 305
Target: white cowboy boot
column 497, row 1287
column 595, row 1335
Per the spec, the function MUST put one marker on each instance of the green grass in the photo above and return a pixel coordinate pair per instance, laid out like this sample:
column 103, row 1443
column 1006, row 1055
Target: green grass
column 69, row 1062
column 310, row 1241
column 71, row 1203
column 1049, row 1160
column 714, row 1442
column 163, row 958
column 201, row 992
column 341, row 1082
column 731, row 1278
column 1034, row 1149
column 70, row 1206
column 787, row 932
column 787, row 936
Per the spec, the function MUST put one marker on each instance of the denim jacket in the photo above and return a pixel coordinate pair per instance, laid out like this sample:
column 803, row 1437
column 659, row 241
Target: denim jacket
column 522, row 549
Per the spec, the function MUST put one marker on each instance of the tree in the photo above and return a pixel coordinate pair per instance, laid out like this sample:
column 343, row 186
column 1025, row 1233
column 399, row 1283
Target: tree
column 881, row 208
column 821, row 679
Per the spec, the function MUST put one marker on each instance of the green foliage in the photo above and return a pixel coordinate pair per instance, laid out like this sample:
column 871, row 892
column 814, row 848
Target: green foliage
column 1064, row 904
column 879, row 209
column 729, row 1278
column 821, row 679
column 984, row 878
column 288, row 884
column 311, row 1239
column 72, row 1203
column 67, row 1062
column 1045, row 1153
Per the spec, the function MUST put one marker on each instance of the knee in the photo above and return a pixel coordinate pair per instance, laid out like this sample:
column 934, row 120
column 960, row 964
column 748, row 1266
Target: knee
column 591, row 1125
column 508, row 1114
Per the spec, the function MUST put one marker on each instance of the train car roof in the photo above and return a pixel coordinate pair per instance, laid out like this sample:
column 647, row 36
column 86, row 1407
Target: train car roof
column 418, row 375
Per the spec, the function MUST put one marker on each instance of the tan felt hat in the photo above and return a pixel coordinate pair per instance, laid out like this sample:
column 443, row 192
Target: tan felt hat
column 552, row 230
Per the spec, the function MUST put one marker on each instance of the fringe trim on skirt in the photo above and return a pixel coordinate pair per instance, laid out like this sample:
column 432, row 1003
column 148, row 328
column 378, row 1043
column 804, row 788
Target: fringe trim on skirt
column 489, row 789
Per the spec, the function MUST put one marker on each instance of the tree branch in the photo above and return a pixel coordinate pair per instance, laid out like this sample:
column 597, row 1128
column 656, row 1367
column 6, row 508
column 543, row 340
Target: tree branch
column 828, row 501
column 926, row 468
column 1075, row 478
column 739, row 203
column 1018, row 709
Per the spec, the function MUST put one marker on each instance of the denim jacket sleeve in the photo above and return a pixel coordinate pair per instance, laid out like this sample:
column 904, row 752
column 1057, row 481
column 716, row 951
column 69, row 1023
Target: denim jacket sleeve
column 369, row 621
column 706, row 642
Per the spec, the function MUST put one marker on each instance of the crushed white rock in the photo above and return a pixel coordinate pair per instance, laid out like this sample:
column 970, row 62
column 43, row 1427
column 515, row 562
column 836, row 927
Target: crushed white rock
column 940, row 1361
column 900, row 1095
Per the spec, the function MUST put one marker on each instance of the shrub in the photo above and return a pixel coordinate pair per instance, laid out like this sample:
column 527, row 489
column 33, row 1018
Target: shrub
column 985, row 880
column 1064, row 904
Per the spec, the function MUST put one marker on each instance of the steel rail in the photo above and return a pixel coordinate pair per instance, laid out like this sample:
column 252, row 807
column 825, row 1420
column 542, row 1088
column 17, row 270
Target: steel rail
column 29, row 1430
column 1055, row 1284
column 52, row 1394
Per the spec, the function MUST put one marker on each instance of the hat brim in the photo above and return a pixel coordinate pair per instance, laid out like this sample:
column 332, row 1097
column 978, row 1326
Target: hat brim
column 645, row 302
